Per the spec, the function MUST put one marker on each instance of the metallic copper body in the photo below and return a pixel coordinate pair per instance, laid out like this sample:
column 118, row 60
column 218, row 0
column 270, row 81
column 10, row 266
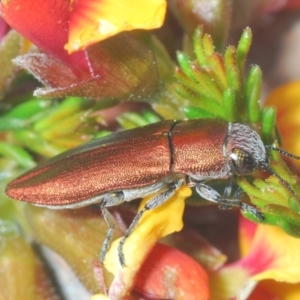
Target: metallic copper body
column 126, row 160
column 199, row 148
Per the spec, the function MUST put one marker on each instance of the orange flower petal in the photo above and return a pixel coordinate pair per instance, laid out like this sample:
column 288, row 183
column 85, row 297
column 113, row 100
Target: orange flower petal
column 247, row 231
column 92, row 20
column 282, row 290
column 286, row 99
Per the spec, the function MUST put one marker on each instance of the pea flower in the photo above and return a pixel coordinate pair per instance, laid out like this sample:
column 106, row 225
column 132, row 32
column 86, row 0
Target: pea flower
column 271, row 262
column 122, row 67
column 104, row 70
column 93, row 21
column 187, row 276
column 172, row 272
column 270, row 257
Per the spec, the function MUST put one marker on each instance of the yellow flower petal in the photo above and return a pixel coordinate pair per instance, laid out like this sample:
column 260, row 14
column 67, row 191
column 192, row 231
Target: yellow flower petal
column 278, row 254
column 94, row 20
column 227, row 282
column 272, row 256
column 99, row 297
column 154, row 224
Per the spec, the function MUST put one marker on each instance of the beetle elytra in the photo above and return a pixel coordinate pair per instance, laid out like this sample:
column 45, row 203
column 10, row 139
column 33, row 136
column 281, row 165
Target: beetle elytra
column 156, row 158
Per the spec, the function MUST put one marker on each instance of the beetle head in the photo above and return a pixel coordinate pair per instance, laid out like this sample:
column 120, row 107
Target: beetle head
column 247, row 153
column 245, row 150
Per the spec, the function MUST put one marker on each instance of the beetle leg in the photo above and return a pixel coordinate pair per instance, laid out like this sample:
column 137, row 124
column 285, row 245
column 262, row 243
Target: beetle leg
column 110, row 199
column 237, row 195
column 111, row 224
column 151, row 204
column 228, row 188
column 227, row 193
column 210, row 194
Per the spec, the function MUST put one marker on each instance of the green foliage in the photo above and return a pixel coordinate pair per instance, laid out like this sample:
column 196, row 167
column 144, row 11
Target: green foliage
column 48, row 127
column 214, row 86
column 129, row 120
column 45, row 127
column 279, row 205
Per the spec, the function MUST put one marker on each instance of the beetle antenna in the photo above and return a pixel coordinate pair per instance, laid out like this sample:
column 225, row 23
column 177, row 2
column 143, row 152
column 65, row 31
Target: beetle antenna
column 269, row 147
column 267, row 168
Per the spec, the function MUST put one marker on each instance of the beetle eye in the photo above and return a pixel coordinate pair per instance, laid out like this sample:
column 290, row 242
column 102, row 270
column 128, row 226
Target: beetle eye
column 242, row 162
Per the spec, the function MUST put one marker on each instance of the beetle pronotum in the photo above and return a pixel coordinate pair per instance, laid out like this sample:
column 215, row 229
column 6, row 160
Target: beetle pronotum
column 157, row 158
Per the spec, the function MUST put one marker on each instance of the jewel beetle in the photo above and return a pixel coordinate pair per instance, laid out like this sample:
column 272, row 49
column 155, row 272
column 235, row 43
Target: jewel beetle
column 157, row 158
